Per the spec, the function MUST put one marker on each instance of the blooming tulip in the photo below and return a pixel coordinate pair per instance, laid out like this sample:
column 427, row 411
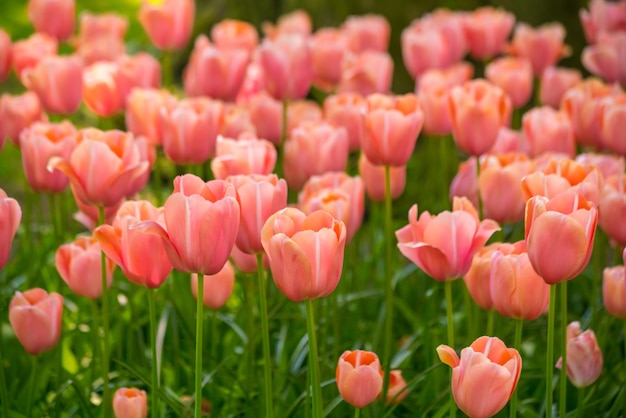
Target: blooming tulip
column 28, row 52
column 606, row 58
column 612, row 119
column 397, row 390
column 168, row 24
column 217, row 287
column 444, row 245
column 235, row 34
column 104, row 88
column 602, row 16
column 143, row 107
column 485, row 377
column 486, row 31
column 614, row 290
column 563, row 228
column 584, row 357
column 608, row 164
column 366, row 73
column 359, row 377
column 237, row 122
column 17, row 113
column 555, row 81
column 40, row 13
column 100, row 37
column 345, row 110
column 374, row 179
column 328, row 48
column 548, row 130
column 542, row 46
column 367, row 33
column 297, row 22
column 130, row 403
column 243, row 156
column 612, row 208
column 514, row 76
column 5, row 55
column 35, row 317
column 10, row 216
column 305, row 252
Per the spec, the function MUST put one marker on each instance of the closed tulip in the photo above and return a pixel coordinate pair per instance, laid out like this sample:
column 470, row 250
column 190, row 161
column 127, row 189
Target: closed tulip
column 366, row 73
column 612, row 119
column 142, row 71
column 217, row 287
column 612, row 208
column 584, row 357
column 102, row 25
column 374, row 179
column 243, row 156
column 234, row 34
column 602, row 16
column 59, row 27
column 26, row 53
column 367, row 33
column 168, row 24
column 10, row 216
column 143, row 107
column 78, row 264
column 614, row 290
column 35, row 317
column 487, row 30
column 548, row 130
column 359, row 377
column 606, row 57
column 345, row 110
column 509, row 140
column 105, row 88
column 266, row 116
column 297, row 22
column 328, row 47
column 201, row 224
column 514, row 76
column 485, row 376
column 305, row 252
column 237, row 122
column 6, row 50
column 555, row 81
column 563, row 227
column 607, row 164
column 542, row 46
column 16, row 113
column 444, row 245
column 130, row 403
column 398, row 389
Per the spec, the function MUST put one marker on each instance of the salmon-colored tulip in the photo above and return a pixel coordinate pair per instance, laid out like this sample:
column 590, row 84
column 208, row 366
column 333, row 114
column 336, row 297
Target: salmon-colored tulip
column 60, row 26
column 328, row 48
column 39, row 143
column 559, row 235
column 140, row 255
column 608, row 164
column 614, row 290
column 79, row 265
column 104, row 88
column 366, row 73
column 485, row 377
column 266, row 116
column 612, row 121
column 612, row 208
column 548, row 130
column 398, row 389
column 555, row 81
column 101, row 37
column 542, row 46
column 234, row 34
column 26, row 53
column 444, row 245
column 374, row 179
column 217, row 287
column 104, row 167
column 392, row 125
column 16, row 113
column 57, row 80
column 345, row 110
column 584, row 357
column 89, row 216
column 35, row 317
column 607, row 58
column 602, row 16
column 6, row 50
column 10, row 216
column 169, row 23
column 102, row 25
column 243, row 156
column 509, row 140
column 297, row 22
column 514, row 76
column 142, row 70
column 367, row 33
column 487, row 30
column 478, row 109
column 359, row 377
column 143, row 107
column 305, row 252
column 237, row 122
column 130, row 403
column 201, row 223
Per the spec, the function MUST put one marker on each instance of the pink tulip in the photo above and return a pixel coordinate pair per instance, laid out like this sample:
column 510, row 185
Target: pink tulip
column 345, row 110
column 297, row 22
column 247, row 263
column 89, row 216
column 478, row 110
column 563, row 227
column 217, row 287
column 40, row 142
column 300, row 112
column 168, row 24
column 328, row 48
column 201, row 223
column 103, row 25
column 392, row 125
column 130, row 403
column 79, row 265
column 104, row 88
column 607, row 58
column 142, row 70
column 514, row 76
column 305, row 252
column 237, row 122
column 5, row 55
column 59, row 27
column 614, row 291
column 266, row 116
column 104, row 167
column 57, row 80
column 548, row 130
column 509, row 140
column 367, row 33
column 612, row 208
column 425, row 47
column 189, row 129
column 487, row 30
column 366, row 73
column 428, row 242
column 555, row 81
column 10, row 216
column 359, row 377
column 35, row 317
column 612, row 121
column 141, row 256
column 243, row 156
column 542, row 46
column 603, row 17
column 584, row 357
column 143, row 107
column 28, row 52
column 17, row 113
column 313, row 149
column 608, row 164
column 234, row 34
column 398, row 389
column 485, row 377
column 106, row 48
column 374, row 179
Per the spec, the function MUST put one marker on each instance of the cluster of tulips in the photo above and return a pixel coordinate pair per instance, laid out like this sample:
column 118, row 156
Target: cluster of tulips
column 244, row 122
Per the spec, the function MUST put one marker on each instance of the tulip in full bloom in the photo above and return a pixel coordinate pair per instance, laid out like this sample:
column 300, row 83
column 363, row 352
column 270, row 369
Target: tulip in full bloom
column 614, row 290
column 444, row 245
column 130, row 403
column 514, row 76
column 35, row 317
column 542, row 46
column 10, row 216
column 168, row 24
column 305, row 252
column 16, row 113
column 217, row 287
column 61, row 26
column 555, row 81
column 584, row 357
column 374, row 179
column 487, row 30
column 359, row 377
column 485, row 376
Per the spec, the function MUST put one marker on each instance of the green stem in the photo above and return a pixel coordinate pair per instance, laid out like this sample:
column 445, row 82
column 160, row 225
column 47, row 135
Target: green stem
column 267, row 358
column 478, row 198
column 314, row 365
column 357, row 412
column 581, row 403
column 470, row 314
column 450, row 324
column 154, row 408
column 563, row 376
column 4, row 397
column 59, row 359
column 167, row 69
column 95, row 335
column 388, row 283
column 249, row 371
column 550, row 352
column 281, row 144
column 624, row 384
column 199, row 328
column 31, row 387
column 106, row 397
column 490, row 318
column 519, row 325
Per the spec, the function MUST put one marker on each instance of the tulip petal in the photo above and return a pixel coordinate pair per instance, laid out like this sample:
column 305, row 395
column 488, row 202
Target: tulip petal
column 447, row 355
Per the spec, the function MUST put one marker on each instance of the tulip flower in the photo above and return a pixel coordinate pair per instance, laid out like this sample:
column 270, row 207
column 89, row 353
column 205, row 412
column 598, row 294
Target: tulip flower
column 487, row 30
column 5, row 55
column 35, row 317
column 359, row 377
column 143, row 107
column 397, row 388
column 10, row 216
column 367, row 33
column 168, row 24
column 328, row 48
column 514, row 76
column 130, row 403
column 614, row 290
column 612, row 118
column 602, row 16
column 243, row 156
column 555, row 81
column 61, row 26
column 374, row 179
column 345, row 110
column 444, row 245
column 548, row 130
column 563, row 227
column 297, row 22
column 542, row 46
column 606, row 57
column 608, row 164
column 485, row 376
column 366, row 73
column 141, row 70
column 28, row 52
column 105, row 88
column 16, row 113
column 234, row 34
column 217, row 287
column 584, row 357
column 237, row 122
column 612, row 207
column 305, row 252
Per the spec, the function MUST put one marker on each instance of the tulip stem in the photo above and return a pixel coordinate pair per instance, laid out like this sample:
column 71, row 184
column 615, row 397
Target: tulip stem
column 624, row 386
column 314, row 365
column 357, row 412
column 283, row 138
column 563, row 376
column 31, row 388
column 4, row 397
column 154, row 409
column 106, row 397
column 490, row 318
column 388, row 284
column 581, row 403
column 550, row 352
column 199, row 328
column 167, row 69
column 249, row 371
column 267, row 357
column 450, row 324
column 517, row 342
column 479, row 200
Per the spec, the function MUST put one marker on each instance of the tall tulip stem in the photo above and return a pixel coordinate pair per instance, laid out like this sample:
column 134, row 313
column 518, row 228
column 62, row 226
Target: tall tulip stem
column 283, row 138
column 314, row 365
column 478, row 198
column 450, row 324
column 563, row 377
column 31, row 386
column 106, row 397
column 517, row 342
column 550, row 352
column 199, row 328
column 154, row 398
column 167, row 69
column 4, row 397
column 388, row 283
column 265, row 331
column 581, row 403
column 357, row 412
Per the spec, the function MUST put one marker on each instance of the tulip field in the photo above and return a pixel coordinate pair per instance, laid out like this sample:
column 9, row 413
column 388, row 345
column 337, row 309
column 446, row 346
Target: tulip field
column 212, row 210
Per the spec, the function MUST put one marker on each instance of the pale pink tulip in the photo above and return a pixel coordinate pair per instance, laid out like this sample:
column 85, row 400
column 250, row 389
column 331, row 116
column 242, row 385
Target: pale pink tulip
column 366, row 73
column 297, row 22
column 234, row 34
column 367, row 33
column 243, row 156
column 514, row 76
column 603, row 17
column 10, row 216
column 548, row 130
column 17, row 113
column 584, row 357
column 143, row 107
column 28, row 52
column 57, row 80
column 607, row 58
column 328, row 48
column 555, row 81
column 345, row 110
column 168, row 24
column 612, row 121
column 487, row 30
column 542, row 46
column 53, row 17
